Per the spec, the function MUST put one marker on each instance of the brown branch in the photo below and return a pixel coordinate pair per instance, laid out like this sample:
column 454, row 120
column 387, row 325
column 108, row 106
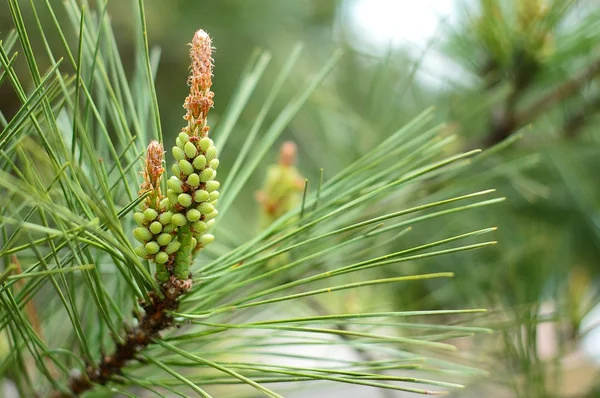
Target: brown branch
column 156, row 318
column 559, row 94
column 506, row 120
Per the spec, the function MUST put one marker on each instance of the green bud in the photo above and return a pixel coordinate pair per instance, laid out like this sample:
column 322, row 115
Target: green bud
column 169, row 228
column 164, row 239
column 199, row 227
column 199, row 162
column 201, row 196
column 181, row 271
column 152, row 247
column 183, row 137
column 214, row 195
column 186, row 167
column 212, row 185
column 178, row 153
column 162, row 275
column 161, row 258
column 193, row 180
column 141, row 251
column 213, row 164
column 179, row 143
column 211, row 153
column 164, row 205
column 205, row 208
column 176, row 170
column 210, row 223
column 193, row 215
column 207, row 239
column 184, row 199
column 150, row 214
column 207, row 175
column 173, row 247
column 194, row 242
column 142, row 234
column 172, row 196
column 139, row 218
column 155, row 227
column 178, row 220
column 190, row 150
column 204, row 144
column 212, row 215
column 175, row 184
column 165, row 218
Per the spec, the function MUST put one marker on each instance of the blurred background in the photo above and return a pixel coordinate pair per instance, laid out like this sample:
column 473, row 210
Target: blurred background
column 516, row 77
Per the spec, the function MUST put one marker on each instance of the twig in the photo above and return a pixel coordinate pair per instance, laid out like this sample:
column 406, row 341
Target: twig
column 156, row 318
column 559, row 94
column 505, row 121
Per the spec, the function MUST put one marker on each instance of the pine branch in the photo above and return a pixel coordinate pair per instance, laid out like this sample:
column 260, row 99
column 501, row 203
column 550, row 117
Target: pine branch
column 171, row 228
column 174, row 220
